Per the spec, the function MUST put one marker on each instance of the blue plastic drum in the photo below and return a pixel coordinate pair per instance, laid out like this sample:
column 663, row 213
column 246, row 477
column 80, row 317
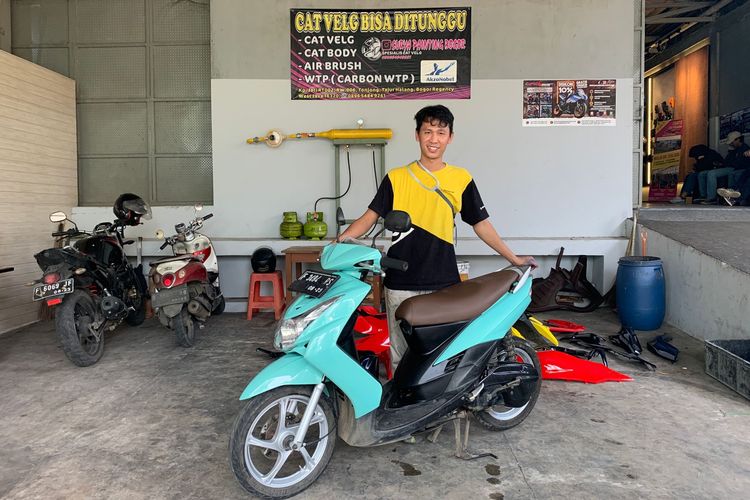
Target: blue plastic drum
column 641, row 293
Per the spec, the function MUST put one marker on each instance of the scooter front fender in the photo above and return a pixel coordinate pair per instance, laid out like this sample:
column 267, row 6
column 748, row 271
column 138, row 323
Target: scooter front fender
column 290, row 369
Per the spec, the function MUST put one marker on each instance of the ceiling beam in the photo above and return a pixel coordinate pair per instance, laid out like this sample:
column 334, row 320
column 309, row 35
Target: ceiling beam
column 670, row 13
column 675, row 20
column 666, row 4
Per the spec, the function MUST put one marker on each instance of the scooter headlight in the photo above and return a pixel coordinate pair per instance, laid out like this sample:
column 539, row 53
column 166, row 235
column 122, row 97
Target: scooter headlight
column 289, row 330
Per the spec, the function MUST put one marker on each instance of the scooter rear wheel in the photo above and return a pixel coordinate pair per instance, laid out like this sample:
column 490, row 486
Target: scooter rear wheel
column 184, row 329
column 499, row 417
column 259, row 448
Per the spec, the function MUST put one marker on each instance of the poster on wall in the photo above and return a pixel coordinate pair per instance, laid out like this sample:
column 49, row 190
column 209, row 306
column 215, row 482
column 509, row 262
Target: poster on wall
column 666, row 163
column 737, row 120
column 381, row 54
column 549, row 103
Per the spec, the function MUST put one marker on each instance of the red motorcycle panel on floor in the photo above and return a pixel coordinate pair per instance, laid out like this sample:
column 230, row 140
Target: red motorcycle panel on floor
column 560, row 366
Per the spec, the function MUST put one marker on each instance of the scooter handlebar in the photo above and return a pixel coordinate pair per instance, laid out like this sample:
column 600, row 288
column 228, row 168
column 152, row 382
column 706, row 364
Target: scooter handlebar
column 389, row 263
column 207, row 216
column 164, row 245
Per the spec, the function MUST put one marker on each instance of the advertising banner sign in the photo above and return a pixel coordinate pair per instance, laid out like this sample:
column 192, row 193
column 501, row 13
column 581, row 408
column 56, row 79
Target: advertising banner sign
column 549, row 103
column 381, row 54
column 666, row 164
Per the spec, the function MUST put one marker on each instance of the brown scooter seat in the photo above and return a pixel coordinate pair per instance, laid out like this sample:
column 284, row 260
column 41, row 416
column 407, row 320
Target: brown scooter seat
column 460, row 302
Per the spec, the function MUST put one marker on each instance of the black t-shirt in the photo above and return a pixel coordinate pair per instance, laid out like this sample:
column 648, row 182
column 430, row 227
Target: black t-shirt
column 428, row 246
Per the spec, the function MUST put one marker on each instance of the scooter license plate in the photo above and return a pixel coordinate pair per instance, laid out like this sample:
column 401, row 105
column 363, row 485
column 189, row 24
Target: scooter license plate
column 170, row 296
column 314, row 283
column 44, row 290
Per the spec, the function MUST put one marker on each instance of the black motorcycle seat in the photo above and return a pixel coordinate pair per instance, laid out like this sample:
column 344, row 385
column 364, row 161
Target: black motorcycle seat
column 460, row 302
column 171, row 259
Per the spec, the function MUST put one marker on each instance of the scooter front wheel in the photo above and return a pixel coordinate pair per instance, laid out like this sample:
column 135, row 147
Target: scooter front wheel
column 260, row 451
column 500, row 417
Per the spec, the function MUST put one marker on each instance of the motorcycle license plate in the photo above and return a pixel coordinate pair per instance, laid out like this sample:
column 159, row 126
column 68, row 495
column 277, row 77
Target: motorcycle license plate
column 314, row 283
column 170, row 296
column 62, row 287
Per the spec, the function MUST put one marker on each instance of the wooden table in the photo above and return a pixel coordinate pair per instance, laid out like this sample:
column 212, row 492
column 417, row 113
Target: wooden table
column 298, row 255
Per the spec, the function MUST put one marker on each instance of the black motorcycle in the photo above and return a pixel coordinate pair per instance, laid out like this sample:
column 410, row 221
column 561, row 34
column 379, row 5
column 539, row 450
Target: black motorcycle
column 89, row 280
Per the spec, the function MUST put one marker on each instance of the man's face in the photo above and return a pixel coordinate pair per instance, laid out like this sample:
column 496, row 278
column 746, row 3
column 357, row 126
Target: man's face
column 433, row 139
column 735, row 143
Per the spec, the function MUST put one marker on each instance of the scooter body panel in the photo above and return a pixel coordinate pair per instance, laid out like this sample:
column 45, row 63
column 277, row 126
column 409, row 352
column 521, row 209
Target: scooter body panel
column 317, row 346
column 291, row 369
column 492, row 324
column 345, row 257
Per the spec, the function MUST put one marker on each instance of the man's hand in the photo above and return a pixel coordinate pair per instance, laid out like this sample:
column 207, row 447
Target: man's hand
column 526, row 260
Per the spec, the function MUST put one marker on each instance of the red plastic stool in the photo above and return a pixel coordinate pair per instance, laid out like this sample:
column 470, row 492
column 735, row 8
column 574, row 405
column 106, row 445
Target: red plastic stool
column 256, row 301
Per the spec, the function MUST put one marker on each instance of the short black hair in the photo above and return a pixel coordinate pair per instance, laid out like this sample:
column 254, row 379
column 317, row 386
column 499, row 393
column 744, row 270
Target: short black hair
column 437, row 113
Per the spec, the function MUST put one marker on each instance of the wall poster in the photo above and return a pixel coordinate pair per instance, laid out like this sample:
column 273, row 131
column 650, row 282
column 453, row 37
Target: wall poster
column 738, row 120
column 549, row 103
column 381, row 54
column 666, row 164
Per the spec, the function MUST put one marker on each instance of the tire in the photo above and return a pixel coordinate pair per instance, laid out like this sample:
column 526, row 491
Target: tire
column 257, row 415
column 500, row 417
column 220, row 306
column 579, row 111
column 72, row 319
column 138, row 316
column 184, row 329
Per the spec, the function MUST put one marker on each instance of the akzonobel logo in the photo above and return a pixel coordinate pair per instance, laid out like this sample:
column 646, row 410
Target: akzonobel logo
column 438, row 71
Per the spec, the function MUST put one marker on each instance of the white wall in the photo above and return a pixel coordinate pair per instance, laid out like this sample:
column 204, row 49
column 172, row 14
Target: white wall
column 706, row 298
column 544, row 187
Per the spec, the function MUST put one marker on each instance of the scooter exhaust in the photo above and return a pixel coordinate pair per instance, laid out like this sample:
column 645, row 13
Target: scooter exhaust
column 112, row 307
column 198, row 309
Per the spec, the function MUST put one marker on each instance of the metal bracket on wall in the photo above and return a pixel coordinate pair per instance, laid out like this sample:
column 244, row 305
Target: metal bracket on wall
column 338, row 144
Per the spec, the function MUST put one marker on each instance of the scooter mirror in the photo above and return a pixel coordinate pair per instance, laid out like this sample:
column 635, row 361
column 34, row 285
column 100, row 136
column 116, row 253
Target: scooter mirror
column 340, row 219
column 57, row 217
column 397, row 221
column 198, row 207
column 159, row 234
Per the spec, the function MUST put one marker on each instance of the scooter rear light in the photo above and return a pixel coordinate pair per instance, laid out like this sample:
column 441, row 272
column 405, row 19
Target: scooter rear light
column 51, row 278
column 167, row 280
column 54, row 302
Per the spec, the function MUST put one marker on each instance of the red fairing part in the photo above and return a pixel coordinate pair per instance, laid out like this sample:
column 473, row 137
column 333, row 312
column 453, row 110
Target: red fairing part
column 372, row 327
column 202, row 255
column 194, row 271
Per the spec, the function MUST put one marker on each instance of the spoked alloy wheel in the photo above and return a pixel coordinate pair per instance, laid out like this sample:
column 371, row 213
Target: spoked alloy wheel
column 501, row 417
column 260, row 446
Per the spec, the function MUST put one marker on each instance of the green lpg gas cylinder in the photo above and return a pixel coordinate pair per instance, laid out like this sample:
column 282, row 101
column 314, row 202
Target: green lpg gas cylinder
column 290, row 228
column 315, row 228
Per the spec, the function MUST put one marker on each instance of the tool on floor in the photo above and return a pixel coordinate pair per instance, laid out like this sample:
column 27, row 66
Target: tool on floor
column 557, row 365
column 661, row 347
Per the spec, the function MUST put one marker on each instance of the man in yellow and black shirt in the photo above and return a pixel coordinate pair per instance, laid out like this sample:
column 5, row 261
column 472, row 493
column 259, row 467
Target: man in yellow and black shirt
column 432, row 192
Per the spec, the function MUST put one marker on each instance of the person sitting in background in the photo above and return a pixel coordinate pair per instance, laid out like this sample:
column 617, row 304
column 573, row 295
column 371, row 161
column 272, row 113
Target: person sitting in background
column 742, row 183
column 734, row 163
column 706, row 160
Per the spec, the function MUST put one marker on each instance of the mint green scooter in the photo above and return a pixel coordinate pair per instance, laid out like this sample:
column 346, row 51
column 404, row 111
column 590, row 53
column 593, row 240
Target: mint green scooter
column 460, row 361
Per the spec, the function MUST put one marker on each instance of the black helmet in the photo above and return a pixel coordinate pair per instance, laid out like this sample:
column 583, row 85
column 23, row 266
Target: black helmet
column 130, row 208
column 263, row 260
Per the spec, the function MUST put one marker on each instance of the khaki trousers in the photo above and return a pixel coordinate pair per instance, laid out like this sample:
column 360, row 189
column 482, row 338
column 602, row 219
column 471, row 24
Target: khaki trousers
column 393, row 299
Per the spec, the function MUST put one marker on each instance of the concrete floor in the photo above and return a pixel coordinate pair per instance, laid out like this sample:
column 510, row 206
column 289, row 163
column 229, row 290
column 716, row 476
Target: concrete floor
column 152, row 420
